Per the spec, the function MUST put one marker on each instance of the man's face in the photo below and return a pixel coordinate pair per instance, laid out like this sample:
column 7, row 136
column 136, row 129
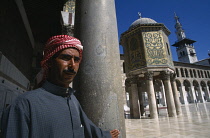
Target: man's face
column 63, row 67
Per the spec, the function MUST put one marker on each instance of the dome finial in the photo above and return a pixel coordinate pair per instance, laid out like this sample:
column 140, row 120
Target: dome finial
column 139, row 15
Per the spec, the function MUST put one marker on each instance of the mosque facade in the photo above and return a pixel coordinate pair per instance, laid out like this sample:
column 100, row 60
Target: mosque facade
column 152, row 79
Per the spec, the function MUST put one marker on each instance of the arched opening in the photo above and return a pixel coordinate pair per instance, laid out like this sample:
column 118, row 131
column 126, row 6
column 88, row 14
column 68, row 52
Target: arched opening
column 180, row 93
column 199, row 75
column 182, row 72
column 186, row 73
column 191, row 73
column 177, row 72
column 159, row 93
column 202, row 74
column 188, row 91
column 205, row 91
column 208, row 74
column 198, row 92
column 194, row 72
column 205, row 74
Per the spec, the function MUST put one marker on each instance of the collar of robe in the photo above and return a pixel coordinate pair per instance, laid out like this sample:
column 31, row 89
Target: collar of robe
column 57, row 90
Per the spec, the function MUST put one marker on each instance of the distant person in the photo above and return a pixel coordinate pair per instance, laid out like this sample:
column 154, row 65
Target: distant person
column 52, row 111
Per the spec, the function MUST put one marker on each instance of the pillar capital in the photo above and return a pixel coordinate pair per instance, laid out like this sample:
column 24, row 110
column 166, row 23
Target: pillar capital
column 165, row 75
column 133, row 80
column 149, row 75
column 173, row 76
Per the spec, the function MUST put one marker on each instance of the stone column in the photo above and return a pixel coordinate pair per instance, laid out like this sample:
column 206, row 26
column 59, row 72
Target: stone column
column 151, row 95
column 176, row 95
column 169, row 94
column 99, row 81
column 134, row 105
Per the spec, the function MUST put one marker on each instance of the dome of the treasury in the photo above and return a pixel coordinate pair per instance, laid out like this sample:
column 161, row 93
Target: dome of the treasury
column 142, row 21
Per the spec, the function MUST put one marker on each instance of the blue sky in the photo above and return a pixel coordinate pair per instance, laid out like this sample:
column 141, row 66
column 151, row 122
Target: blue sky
column 194, row 16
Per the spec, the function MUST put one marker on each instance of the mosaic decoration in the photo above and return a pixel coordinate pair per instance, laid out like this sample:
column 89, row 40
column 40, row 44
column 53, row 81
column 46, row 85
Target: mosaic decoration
column 135, row 55
column 69, row 6
column 155, row 51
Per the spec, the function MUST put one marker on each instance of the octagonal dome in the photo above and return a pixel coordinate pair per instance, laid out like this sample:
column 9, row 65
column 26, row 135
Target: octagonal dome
column 142, row 21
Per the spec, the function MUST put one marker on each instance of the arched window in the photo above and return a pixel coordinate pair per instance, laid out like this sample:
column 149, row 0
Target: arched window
column 208, row 74
column 177, row 72
column 205, row 74
column 182, row 72
column 191, row 73
column 199, row 75
column 194, row 72
column 186, row 73
column 202, row 74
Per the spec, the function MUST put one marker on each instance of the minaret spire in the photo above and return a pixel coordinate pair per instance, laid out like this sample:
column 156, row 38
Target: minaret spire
column 179, row 31
column 185, row 49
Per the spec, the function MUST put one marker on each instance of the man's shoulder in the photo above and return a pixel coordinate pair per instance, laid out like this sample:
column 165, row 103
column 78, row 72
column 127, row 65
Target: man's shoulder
column 29, row 95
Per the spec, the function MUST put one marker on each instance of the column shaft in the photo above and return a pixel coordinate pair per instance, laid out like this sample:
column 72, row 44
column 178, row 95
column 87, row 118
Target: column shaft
column 176, row 96
column 141, row 102
column 99, row 80
column 134, row 102
column 169, row 94
column 151, row 96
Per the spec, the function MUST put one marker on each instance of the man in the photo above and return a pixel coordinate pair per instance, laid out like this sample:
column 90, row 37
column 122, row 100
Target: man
column 52, row 111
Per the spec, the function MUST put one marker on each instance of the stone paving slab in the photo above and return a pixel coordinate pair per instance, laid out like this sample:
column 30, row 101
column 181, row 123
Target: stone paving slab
column 194, row 123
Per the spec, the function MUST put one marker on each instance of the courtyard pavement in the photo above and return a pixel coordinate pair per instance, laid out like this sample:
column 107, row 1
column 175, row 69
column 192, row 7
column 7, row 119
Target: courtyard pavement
column 194, row 123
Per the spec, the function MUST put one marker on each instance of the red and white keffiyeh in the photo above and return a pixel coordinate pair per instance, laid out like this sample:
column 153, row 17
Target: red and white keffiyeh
column 54, row 45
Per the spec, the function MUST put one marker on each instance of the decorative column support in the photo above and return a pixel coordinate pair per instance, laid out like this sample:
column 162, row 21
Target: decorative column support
column 169, row 94
column 175, row 94
column 134, row 105
column 151, row 95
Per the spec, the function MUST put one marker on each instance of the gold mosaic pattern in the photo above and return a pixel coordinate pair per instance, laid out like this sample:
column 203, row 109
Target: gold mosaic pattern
column 154, row 48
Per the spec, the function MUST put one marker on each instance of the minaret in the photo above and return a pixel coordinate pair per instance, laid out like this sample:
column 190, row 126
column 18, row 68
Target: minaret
column 185, row 49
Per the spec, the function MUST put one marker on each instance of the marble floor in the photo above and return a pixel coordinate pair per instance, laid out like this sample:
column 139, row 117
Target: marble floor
column 194, row 123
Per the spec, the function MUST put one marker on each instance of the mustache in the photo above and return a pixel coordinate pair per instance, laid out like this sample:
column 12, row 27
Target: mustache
column 70, row 71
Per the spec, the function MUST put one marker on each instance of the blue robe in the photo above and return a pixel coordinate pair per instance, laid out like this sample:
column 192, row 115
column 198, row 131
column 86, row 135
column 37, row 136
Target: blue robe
column 49, row 112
